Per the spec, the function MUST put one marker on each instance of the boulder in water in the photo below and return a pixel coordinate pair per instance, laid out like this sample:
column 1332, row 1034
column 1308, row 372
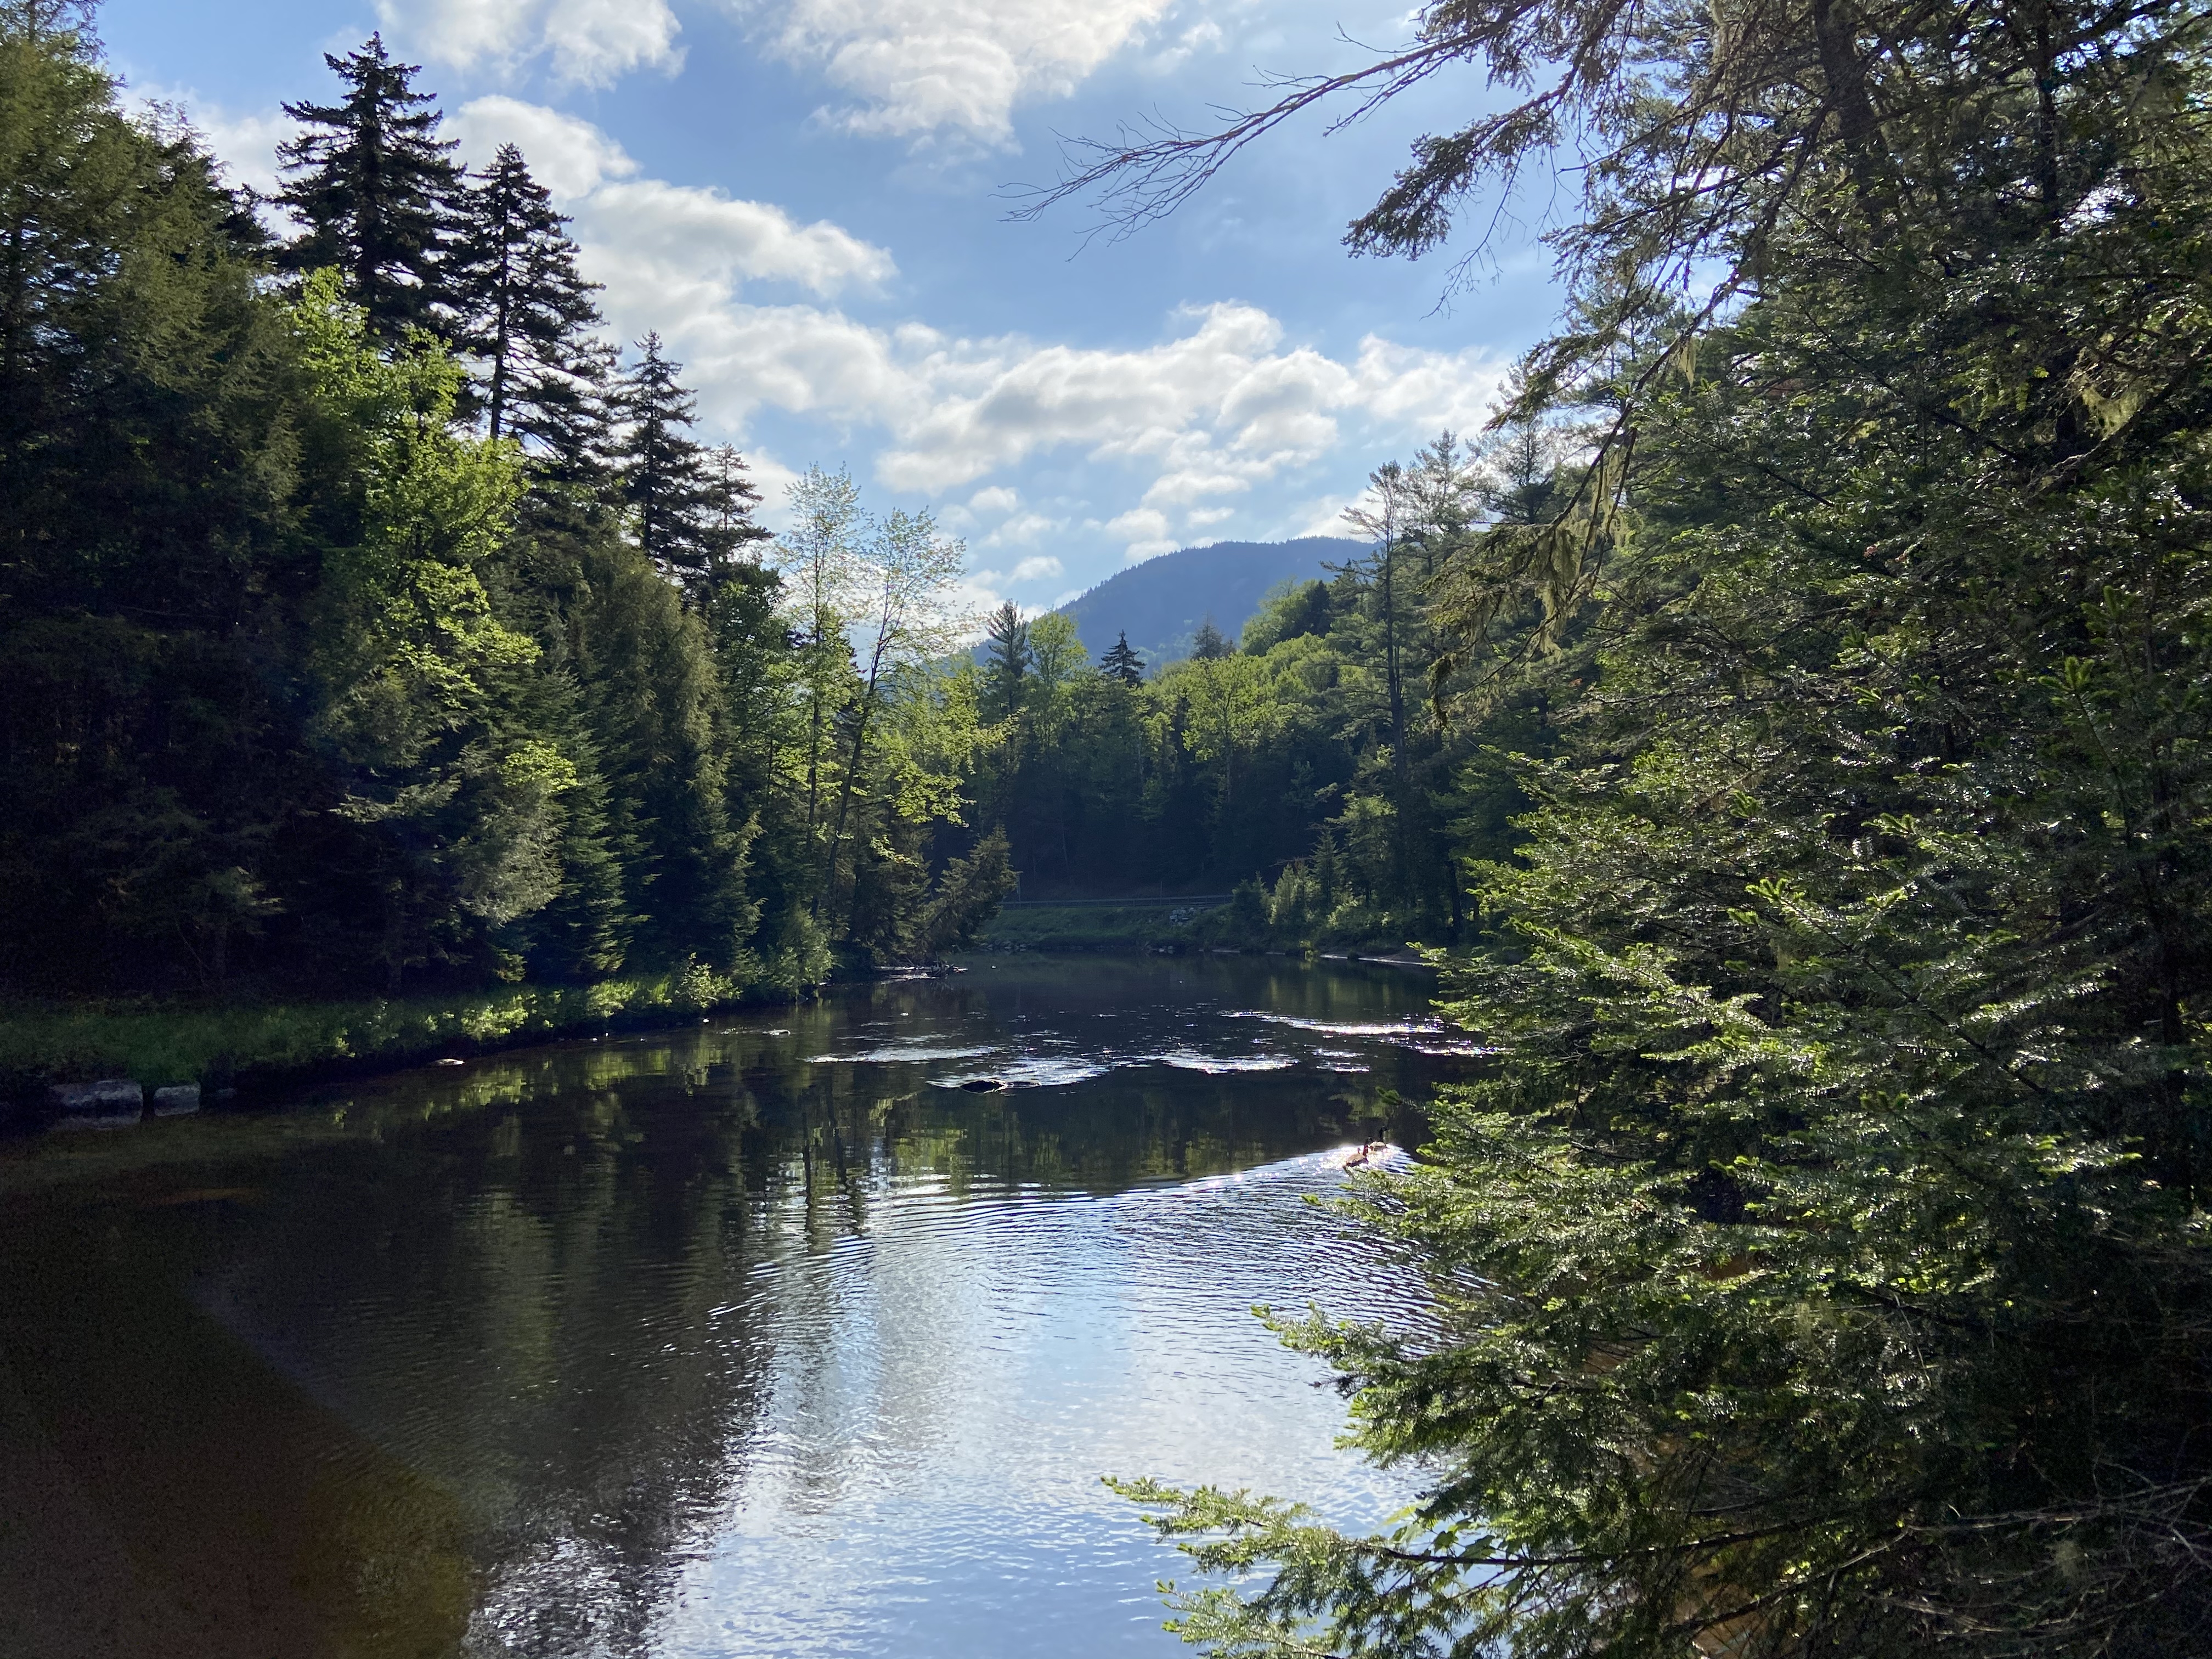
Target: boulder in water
column 177, row 1100
column 984, row 1086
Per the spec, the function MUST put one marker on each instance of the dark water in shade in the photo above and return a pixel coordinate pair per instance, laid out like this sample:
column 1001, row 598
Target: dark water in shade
column 756, row 1338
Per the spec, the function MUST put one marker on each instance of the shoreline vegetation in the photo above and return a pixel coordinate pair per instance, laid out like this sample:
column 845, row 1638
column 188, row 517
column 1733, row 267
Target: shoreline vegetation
column 258, row 1047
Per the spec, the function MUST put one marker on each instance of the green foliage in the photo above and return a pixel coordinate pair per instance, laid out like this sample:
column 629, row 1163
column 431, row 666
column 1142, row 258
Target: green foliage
column 522, row 309
column 371, row 181
column 329, row 657
column 1007, row 643
column 967, row 896
column 220, row 1045
column 693, row 505
column 1288, row 612
column 1822, row 1270
column 1123, row 664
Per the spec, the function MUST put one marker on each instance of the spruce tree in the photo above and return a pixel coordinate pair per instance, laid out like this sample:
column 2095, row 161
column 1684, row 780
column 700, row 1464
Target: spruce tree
column 1007, row 651
column 1123, row 664
column 372, row 182
column 730, row 506
column 1211, row 642
column 522, row 308
column 1820, row 1270
column 663, row 470
column 693, row 507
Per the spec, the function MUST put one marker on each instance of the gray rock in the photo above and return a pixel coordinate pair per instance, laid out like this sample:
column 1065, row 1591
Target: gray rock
column 176, row 1100
column 112, row 1101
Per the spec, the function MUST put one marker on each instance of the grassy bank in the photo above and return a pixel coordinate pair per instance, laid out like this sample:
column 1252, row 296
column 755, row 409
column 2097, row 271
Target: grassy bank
column 1192, row 927
column 215, row 1044
column 1087, row 927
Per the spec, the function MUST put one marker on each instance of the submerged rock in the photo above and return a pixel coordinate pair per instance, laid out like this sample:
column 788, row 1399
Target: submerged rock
column 112, row 1101
column 983, row 1085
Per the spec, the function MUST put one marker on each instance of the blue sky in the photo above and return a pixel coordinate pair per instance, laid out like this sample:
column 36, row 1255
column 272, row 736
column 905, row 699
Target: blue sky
column 808, row 199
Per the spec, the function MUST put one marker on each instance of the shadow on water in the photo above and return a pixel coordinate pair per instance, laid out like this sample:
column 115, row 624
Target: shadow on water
column 758, row 1337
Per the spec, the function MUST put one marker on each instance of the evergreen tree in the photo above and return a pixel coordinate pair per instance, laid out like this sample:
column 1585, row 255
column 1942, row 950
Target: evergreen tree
column 1123, row 664
column 372, row 182
column 731, row 508
column 660, row 728
column 522, row 307
column 1006, row 647
column 967, row 896
column 1821, row 1271
column 693, row 505
column 150, row 484
column 1211, row 643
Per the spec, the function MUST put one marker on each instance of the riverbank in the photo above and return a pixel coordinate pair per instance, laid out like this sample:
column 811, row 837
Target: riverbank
column 1090, row 927
column 1153, row 925
column 251, row 1047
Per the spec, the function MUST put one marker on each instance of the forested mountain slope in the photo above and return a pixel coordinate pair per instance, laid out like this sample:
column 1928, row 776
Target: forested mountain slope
column 1161, row 604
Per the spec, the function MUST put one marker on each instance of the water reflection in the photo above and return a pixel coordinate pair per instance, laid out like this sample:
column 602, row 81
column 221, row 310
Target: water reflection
column 742, row 1340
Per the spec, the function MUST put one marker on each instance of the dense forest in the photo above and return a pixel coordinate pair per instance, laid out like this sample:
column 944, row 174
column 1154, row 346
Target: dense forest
column 370, row 620
column 1789, row 715
column 1823, row 1268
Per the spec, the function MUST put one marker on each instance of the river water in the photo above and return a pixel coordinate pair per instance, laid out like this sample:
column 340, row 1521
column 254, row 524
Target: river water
column 760, row 1337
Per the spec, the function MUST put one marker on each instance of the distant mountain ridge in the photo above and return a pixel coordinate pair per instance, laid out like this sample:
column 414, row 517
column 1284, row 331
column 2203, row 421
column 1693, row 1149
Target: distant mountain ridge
column 1161, row 602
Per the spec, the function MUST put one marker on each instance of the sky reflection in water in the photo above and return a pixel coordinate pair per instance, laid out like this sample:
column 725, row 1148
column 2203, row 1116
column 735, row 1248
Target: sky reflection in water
column 746, row 1341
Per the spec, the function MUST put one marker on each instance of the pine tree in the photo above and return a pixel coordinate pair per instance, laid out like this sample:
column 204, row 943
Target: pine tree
column 372, row 182
column 523, row 310
column 1123, row 664
column 694, row 505
column 1007, row 649
column 1211, row 642
column 731, row 508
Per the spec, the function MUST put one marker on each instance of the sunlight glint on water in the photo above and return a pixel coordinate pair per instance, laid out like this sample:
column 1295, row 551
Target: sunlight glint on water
column 746, row 1341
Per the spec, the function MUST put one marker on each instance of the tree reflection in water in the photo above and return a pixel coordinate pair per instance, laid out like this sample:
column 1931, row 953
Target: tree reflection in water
column 757, row 1337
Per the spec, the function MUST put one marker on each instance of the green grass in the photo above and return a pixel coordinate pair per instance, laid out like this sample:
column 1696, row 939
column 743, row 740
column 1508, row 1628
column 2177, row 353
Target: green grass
column 1083, row 926
column 211, row 1043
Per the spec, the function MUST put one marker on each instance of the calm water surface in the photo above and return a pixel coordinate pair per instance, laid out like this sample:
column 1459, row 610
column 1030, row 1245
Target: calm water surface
column 760, row 1337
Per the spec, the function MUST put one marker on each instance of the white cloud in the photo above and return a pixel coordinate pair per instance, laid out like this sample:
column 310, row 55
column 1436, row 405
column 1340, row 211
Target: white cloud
column 683, row 236
column 1430, row 389
column 570, row 157
column 1212, row 413
column 918, row 68
column 1181, row 432
column 1023, row 529
column 1146, row 530
column 1031, row 570
column 590, row 42
column 671, row 255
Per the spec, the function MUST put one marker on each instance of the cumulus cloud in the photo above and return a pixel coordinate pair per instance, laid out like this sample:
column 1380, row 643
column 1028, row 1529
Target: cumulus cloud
column 915, row 68
column 588, row 42
column 659, row 235
column 1202, row 418
column 1180, row 434
column 1023, row 529
column 1144, row 530
column 673, row 256
column 570, row 157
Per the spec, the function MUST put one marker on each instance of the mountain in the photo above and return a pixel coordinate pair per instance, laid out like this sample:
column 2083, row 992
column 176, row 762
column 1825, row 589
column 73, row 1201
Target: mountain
column 1161, row 602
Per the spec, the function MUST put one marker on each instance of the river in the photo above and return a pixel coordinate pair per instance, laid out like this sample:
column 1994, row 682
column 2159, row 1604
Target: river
column 760, row 1337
